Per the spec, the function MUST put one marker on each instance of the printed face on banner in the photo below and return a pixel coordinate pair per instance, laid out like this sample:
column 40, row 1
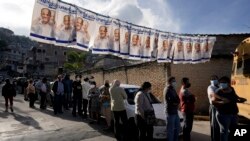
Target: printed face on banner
column 164, row 48
column 207, row 45
column 85, row 28
column 178, row 51
column 196, row 54
column 124, row 39
column 65, row 25
column 187, row 49
column 43, row 21
column 147, row 46
column 115, row 37
column 102, row 42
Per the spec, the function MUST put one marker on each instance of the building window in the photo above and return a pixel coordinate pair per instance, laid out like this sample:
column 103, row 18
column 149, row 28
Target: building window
column 39, row 50
column 43, row 51
column 55, row 52
column 64, row 53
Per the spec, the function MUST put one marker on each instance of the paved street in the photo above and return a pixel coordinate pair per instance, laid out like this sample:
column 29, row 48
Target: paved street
column 27, row 124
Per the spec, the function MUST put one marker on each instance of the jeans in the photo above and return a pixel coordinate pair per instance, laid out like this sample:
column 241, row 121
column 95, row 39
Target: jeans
column 188, row 125
column 120, row 130
column 173, row 127
column 226, row 122
column 67, row 100
column 214, row 126
column 145, row 131
column 8, row 98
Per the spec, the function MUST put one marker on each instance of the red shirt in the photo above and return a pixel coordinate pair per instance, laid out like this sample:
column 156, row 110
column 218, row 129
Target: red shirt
column 187, row 101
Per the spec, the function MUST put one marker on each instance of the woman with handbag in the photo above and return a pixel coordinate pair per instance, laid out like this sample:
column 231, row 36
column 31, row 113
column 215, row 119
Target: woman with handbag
column 144, row 112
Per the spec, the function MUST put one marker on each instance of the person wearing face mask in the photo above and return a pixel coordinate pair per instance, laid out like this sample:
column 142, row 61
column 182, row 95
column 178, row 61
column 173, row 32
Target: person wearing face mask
column 187, row 100
column 58, row 89
column 142, row 104
column 85, row 89
column 105, row 103
column 77, row 96
column 227, row 111
column 172, row 102
column 93, row 95
column 211, row 91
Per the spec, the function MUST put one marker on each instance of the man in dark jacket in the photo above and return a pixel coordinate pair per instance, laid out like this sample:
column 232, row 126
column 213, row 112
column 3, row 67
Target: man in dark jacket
column 8, row 92
column 77, row 96
column 58, row 89
column 172, row 102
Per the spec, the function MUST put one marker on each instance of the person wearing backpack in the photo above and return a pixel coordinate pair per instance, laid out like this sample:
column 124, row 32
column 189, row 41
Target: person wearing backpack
column 8, row 92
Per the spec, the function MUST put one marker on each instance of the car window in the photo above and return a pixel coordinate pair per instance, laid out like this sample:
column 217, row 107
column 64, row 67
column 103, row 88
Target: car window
column 131, row 92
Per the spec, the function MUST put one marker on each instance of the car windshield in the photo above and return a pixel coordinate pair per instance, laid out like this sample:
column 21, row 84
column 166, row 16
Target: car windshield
column 131, row 92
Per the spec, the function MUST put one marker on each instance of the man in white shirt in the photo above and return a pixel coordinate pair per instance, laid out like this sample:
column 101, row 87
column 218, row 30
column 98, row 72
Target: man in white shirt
column 135, row 48
column 188, row 52
column 164, row 50
column 85, row 89
column 116, row 40
column 43, row 26
column 65, row 32
column 102, row 40
column 146, row 48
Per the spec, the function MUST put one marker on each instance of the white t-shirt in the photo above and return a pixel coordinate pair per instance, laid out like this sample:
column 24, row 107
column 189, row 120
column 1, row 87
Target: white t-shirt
column 42, row 29
column 102, row 43
column 85, row 89
column 211, row 90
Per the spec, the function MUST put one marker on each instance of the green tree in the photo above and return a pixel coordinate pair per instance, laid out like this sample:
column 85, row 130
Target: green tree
column 75, row 61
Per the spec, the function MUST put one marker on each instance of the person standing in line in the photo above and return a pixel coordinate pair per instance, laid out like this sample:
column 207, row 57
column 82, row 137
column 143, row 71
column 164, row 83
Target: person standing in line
column 227, row 111
column 105, row 103
column 172, row 102
column 8, row 92
column 68, row 92
column 211, row 91
column 77, row 95
column 44, row 90
column 85, row 89
column 31, row 93
column 118, row 95
column 187, row 100
column 142, row 104
column 94, row 94
column 58, row 89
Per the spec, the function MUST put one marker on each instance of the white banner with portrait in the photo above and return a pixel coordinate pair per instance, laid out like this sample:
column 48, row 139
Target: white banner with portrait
column 115, row 37
column 85, row 29
column 124, row 39
column 207, row 48
column 188, row 45
column 65, row 24
column 102, row 32
column 196, row 50
column 135, row 49
column 155, row 45
column 43, row 21
column 178, row 50
column 147, row 44
column 164, row 50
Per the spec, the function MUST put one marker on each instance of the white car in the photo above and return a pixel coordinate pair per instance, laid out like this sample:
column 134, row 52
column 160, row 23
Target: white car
column 160, row 125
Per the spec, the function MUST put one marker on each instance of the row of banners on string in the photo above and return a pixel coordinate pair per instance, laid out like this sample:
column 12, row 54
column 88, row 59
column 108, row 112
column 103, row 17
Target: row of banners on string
column 63, row 24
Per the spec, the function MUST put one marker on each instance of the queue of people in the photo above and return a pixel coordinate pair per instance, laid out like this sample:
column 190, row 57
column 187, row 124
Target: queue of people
column 88, row 99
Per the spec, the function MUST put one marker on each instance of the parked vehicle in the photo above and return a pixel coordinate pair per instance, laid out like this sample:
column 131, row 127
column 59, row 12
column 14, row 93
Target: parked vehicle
column 241, row 75
column 160, row 125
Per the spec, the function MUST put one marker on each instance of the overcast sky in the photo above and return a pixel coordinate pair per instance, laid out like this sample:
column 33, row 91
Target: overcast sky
column 181, row 16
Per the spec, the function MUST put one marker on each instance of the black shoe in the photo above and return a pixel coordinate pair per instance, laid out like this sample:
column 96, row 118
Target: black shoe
column 11, row 109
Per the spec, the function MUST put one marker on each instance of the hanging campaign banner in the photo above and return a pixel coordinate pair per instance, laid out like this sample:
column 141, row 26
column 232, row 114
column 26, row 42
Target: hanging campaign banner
column 135, row 49
column 124, row 39
column 164, row 49
column 43, row 21
column 102, row 32
column 155, row 46
column 178, row 50
column 115, row 38
column 147, row 44
column 85, row 27
column 196, row 50
column 207, row 48
column 65, row 24
column 187, row 41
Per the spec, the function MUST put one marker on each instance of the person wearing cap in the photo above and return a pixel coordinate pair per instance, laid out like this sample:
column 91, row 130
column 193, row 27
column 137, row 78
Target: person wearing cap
column 8, row 92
